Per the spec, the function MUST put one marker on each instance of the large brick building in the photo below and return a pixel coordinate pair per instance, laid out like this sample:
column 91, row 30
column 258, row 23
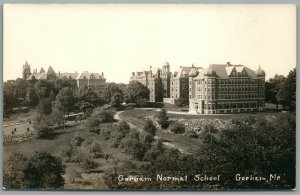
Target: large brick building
column 226, row 88
column 153, row 81
column 85, row 79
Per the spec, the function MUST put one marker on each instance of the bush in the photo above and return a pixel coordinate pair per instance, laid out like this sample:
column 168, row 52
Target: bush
column 149, row 127
column 74, row 176
column 95, row 149
column 177, row 128
column 142, row 102
column 40, row 171
column 77, row 140
column 163, row 119
column 88, row 164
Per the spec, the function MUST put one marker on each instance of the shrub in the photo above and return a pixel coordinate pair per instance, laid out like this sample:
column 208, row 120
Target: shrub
column 177, row 128
column 40, row 171
column 149, row 127
column 163, row 119
column 95, row 149
column 74, row 176
column 77, row 140
column 88, row 164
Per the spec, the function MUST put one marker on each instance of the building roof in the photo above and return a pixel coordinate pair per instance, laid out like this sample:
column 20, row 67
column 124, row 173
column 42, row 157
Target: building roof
column 226, row 70
column 66, row 75
column 183, row 72
column 88, row 75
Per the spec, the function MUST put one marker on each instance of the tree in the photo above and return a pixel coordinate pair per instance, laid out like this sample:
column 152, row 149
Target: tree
column 287, row 91
column 272, row 88
column 109, row 91
column 181, row 102
column 43, row 88
column 133, row 146
column 136, row 91
column 44, row 171
column 163, row 118
column 116, row 100
column 58, row 117
column 149, row 128
column 65, row 100
column 45, row 106
column 40, row 171
column 31, row 98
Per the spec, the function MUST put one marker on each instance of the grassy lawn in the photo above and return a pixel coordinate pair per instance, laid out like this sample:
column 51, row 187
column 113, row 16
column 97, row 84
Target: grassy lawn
column 91, row 180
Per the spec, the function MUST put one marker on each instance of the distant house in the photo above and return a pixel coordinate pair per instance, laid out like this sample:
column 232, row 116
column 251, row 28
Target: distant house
column 85, row 79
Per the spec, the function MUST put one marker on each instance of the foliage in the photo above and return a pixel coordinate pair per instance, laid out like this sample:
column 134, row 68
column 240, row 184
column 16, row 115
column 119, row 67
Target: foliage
column 74, row 176
column 40, row 171
column 142, row 102
column 156, row 150
column 45, row 106
column 43, row 88
column 88, row 100
column 133, row 145
column 65, row 100
column 95, row 149
column 120, row 133
column 57, row 117
column 43, row 127
column 149, row 128
column 181, row 102
column 77, row 140
column 287, row 92
column 97, row 117
column 177, row 127
column 88, row 164
column 110, row 90
column 116, row 100
column 163, row 118
column 31, row 98
column 136, row 92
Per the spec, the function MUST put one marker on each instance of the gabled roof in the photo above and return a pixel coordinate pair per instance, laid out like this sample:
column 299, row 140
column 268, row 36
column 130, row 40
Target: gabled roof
column 42, row 70
column 225, row 70
column 183, row 72
column 50, row 70
column 87, row 75
column 67, row 75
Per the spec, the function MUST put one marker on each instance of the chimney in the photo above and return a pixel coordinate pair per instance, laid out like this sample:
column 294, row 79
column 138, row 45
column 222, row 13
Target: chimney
column 228, row 64
column 102, row 74
column 132, row 73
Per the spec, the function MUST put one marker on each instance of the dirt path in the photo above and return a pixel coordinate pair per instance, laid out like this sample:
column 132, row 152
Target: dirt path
column 168, row 144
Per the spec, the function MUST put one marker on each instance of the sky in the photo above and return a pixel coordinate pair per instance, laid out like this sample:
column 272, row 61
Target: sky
column 120, row 39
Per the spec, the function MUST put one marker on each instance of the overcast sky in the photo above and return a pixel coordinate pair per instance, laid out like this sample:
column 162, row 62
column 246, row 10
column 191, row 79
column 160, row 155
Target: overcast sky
column 120, row 39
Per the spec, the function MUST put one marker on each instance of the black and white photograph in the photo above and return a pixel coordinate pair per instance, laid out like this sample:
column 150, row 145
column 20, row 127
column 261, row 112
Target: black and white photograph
column 143, row 97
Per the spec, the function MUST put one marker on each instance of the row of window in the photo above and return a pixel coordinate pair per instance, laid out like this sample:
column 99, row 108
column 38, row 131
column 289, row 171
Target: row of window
column 226, row 106
column 227, row 89
column 228, row 81
column 225, row 96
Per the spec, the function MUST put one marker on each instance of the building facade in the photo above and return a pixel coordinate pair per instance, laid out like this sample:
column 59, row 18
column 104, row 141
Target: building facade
column 152, row 80
column 179, row 86
column 226, row 88
column 83, row 80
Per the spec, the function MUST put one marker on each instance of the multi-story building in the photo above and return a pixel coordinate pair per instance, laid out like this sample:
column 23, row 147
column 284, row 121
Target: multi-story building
column 180, row 82
column 85, row 79
column 152, row 80
column 226, row 88
column 166, row 76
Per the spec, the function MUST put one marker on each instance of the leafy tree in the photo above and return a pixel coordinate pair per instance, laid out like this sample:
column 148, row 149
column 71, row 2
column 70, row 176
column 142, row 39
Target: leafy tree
column 65, row 100
column 58, row 117
column 136, row 91
column 31, row 98
column 43, row 128
column 287, row 91
column 133, row 146
column 40, row 171
column 156, row 150
column 44, row 171
column 43, row 88
column 109, row 91
column 149, row 128
column 13, row 171
column 142, row 102
column 116, row 100
column 181, row 102
column 45, row 106
column 177, row 127
column 272, row 88
column 163, row 118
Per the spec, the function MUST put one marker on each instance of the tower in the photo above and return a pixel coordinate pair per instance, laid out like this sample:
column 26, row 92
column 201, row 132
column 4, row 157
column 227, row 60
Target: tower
column 166, row 75
column 26, row 71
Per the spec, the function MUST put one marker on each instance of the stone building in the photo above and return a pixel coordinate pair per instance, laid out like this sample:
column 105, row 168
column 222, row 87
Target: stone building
column 91, row 80
column 152, row 80
column 179, row 86
column 226, row 88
